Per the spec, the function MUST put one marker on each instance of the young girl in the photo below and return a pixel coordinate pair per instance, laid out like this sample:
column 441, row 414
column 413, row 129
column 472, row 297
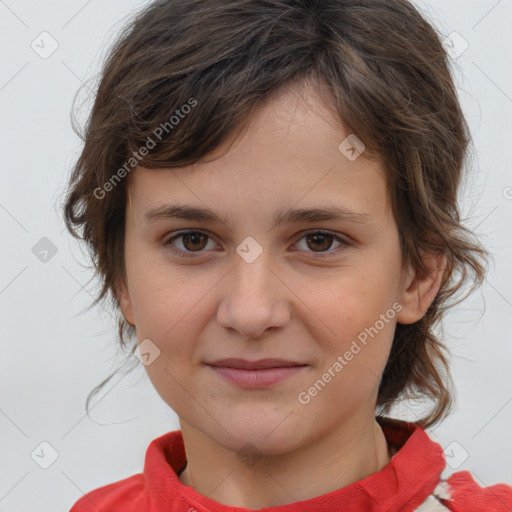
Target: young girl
column 269, row 192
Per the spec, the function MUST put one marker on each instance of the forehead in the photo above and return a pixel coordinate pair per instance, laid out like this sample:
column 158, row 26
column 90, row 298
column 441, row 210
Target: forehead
column 288, row 154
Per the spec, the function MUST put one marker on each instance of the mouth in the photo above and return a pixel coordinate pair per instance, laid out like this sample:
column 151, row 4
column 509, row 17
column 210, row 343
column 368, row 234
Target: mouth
column 261, row 364
column 255, row 374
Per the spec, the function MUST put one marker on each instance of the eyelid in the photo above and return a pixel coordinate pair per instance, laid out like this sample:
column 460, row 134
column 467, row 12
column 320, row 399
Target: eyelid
column 191, row 254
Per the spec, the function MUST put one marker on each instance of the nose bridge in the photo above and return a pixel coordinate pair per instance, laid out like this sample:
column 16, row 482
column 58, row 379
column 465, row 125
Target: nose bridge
column 254, row 299
column 252, row 262
column 254, row 277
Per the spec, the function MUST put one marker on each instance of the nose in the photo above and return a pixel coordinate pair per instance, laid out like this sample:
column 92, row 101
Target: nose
column 254, row 298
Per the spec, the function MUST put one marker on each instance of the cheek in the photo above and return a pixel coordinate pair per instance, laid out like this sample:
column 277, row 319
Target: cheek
column 352, row 302
column 164, row 297
column 358, row 317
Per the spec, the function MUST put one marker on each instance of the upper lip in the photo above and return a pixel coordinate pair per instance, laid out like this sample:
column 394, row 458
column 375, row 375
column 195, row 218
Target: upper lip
column 253, row 365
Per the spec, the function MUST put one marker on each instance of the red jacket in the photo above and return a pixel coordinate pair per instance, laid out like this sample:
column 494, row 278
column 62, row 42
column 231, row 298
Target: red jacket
column 410, row 482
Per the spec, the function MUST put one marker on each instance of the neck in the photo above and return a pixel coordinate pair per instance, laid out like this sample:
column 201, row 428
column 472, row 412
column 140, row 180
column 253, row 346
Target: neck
column 336, row 459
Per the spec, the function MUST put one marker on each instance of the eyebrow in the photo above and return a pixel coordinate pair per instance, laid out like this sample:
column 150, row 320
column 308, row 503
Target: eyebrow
column 196, row 213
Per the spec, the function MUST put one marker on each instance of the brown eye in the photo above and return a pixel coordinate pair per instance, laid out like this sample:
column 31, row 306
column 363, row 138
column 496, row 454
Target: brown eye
column 319, row 241
column 319, row 244
column 194, row 241
column 191, row 242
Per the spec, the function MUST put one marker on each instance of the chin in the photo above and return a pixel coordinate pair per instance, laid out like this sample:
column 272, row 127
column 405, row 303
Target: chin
column 252, row 435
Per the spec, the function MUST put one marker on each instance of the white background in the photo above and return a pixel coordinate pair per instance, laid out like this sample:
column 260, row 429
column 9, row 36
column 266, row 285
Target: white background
column 54, row 351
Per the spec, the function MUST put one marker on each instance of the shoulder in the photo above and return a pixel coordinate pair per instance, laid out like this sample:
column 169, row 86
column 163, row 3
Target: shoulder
column 460, row 492
column 128, row 493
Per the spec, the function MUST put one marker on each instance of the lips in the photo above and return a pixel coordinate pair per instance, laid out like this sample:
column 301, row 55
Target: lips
column 261, row 364
column 263, row 373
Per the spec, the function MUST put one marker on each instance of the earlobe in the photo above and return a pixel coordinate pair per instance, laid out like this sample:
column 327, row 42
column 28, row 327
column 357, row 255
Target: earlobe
column 125, row 304
column 419, row 291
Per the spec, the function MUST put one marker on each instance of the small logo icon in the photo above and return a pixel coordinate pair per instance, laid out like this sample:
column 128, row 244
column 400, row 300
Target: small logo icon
column 147, row 352
column 455, row 455
column 45, row 455
column 249, row 249
column 44, row 250
column 44, row 45
column 455, row 45
column 351, row 147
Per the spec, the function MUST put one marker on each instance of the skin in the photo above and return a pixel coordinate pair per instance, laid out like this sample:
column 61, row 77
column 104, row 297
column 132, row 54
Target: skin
column 285, row 304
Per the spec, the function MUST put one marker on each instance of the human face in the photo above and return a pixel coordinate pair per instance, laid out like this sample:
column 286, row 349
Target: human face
column 246, row 288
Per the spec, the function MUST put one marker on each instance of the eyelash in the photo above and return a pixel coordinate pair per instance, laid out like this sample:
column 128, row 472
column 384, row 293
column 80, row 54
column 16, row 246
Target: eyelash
column 191, row 254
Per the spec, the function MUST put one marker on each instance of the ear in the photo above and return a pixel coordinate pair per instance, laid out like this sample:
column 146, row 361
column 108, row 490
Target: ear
column 125, row 303
column 419, row 291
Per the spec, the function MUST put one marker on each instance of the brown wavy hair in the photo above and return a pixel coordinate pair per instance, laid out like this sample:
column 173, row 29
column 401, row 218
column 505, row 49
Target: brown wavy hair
column 382, row 67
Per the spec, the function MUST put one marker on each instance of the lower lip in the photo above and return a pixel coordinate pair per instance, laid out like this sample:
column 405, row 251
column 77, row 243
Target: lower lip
column 256, row 378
